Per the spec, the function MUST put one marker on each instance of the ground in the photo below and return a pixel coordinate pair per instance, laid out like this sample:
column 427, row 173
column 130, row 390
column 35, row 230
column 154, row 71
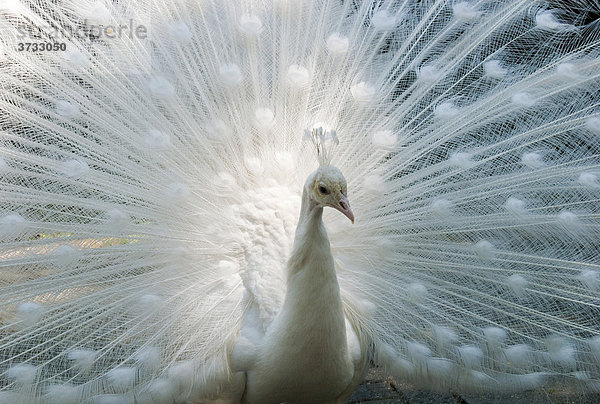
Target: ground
column 379, row 389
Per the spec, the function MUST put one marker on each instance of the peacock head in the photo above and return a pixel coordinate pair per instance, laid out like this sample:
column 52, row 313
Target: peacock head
column 327, row 187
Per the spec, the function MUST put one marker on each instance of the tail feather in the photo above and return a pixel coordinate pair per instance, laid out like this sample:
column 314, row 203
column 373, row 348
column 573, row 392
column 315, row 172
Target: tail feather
column 151, row 175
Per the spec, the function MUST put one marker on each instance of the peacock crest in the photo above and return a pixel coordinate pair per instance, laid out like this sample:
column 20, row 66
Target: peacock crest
column 324, row 142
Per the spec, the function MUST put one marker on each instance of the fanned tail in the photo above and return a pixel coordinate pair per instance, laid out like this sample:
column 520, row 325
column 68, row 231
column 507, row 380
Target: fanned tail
column 151, row 175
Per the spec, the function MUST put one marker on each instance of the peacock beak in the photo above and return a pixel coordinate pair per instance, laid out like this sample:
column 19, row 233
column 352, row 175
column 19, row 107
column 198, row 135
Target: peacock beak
column 344, row 207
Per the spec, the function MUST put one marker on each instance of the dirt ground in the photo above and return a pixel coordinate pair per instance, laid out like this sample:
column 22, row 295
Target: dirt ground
column 379, row 389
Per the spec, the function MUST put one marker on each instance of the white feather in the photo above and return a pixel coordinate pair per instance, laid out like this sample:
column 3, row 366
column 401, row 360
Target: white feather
column 546, row 20
column 180, row 31
column 494, row 69
column 122, row 378
column 251, row 25
column 298, row 76
column 62, row 394
column 22, row 373
column 151, row 190
column 363, row 92
column 515, row 206
column 29, row 313
column 74, row 168
column 382, row 20
column 160, row 87
column 338, row 44
column 464, row 11
column 83, row 359
column 12, row 225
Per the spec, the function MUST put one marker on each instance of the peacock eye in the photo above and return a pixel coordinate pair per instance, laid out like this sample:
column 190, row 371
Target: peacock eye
column 323, row 190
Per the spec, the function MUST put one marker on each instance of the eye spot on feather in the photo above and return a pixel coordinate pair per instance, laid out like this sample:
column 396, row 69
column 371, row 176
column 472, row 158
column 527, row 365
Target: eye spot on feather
column 515, row 206
column 149, row 358
column 462, row 160
column 122, row 378
column 418, row 352
column 93, row 12
column 74, row 168
column 593, row 124
column 67, row 109
column 546, row 20
column 439, row 368
column 64, row 255
column 374, row 184
column 385, row 139
column 445, row 111
column 589, row 180
column 568, row 220
column 63, row 393
column 594, row 344
column 297, row 76
column 264, row 118
column 416, row 292
column 382, row 20
column 250, row 25
column 12, row 225
column 83, row 359
column 464, row 11
column 484, row 249
column 285, row 161
column 470, row 355
column 182, row 374
column 117, row 220
column 494, row 337
column 589, row 278
column 442, row 208
column 217, row 130
column 517, row 284
column 444, row 336
column 23, row 374
column 568, row 71
column 363, row 92
column 337, row 45
column 494, row 69
column 177, row 191
column 160, row 87
column 29, row 313
column 159, row 390
column 428, row 74
column 532, row 160
column 225, row 181
column 562, row 353
column 230, row 75
column 518, row 355
column 148, row 305
column 74, row 59
column 523, row 99
column 180, row 31
column 157, row 140
column 254, row 165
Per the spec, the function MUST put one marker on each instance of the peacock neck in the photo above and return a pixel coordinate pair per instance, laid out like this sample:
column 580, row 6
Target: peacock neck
column 310, row 212
column 310, row 238
column 312, row 285
column 305, row 346
column 312, row 314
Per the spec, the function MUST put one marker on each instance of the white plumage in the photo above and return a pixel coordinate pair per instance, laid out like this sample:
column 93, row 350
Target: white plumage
column 155, row 241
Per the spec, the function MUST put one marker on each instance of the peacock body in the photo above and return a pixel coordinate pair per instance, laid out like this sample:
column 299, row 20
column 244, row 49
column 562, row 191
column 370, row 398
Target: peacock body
column 153, row 185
